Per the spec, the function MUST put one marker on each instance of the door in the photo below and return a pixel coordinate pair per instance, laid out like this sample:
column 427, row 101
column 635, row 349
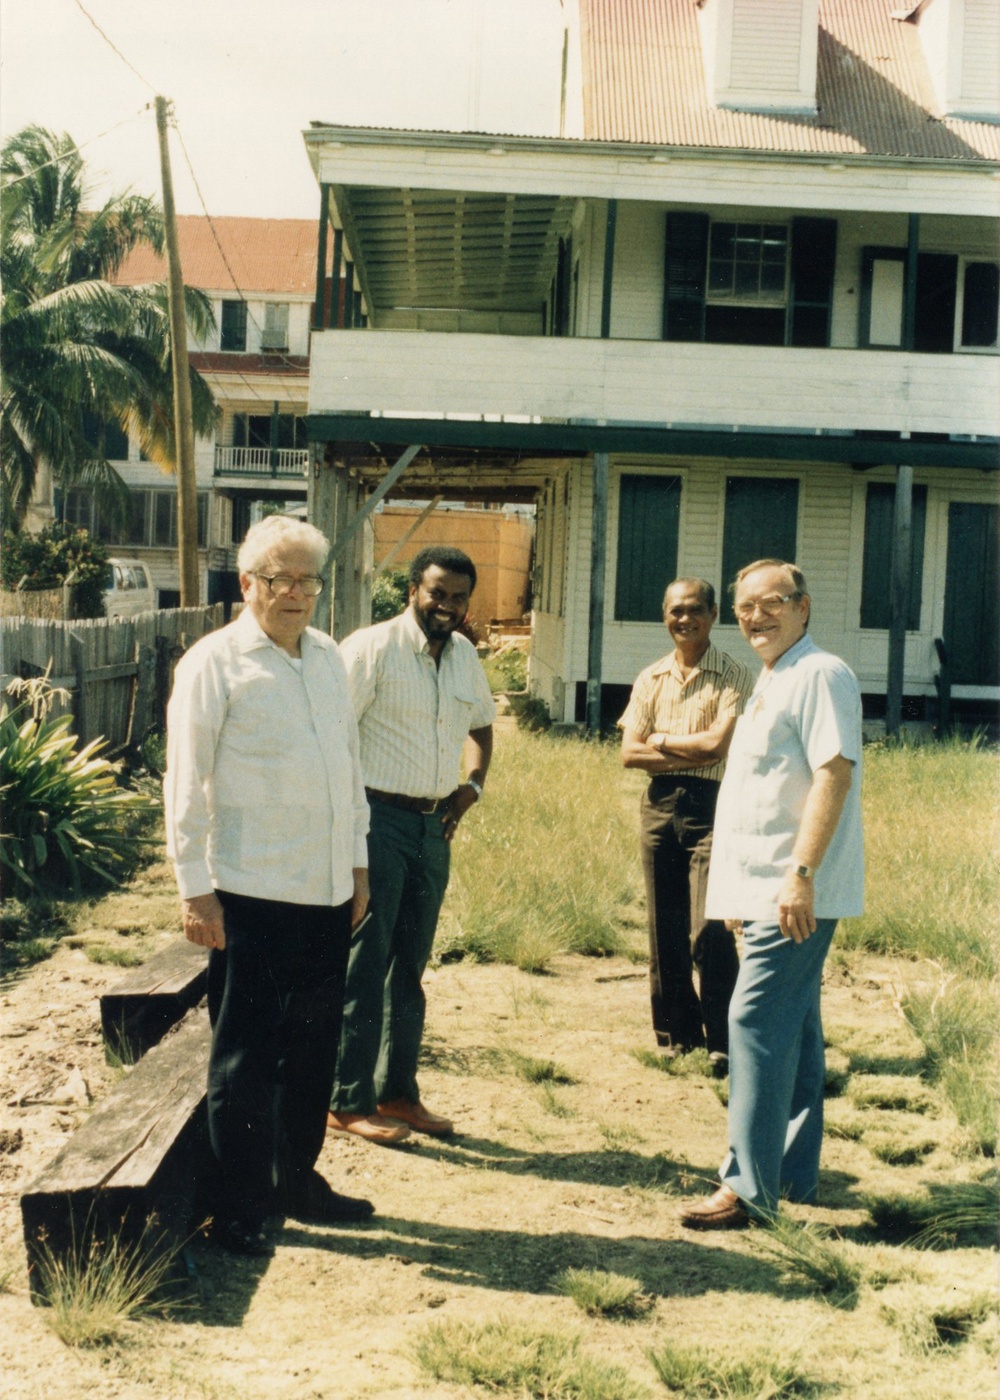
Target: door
column 972, row 594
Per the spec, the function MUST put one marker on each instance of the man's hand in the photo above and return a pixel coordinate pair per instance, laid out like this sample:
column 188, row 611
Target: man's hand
column 795, row 907
column 359, row 900
column 202, row 919
column 459, row 803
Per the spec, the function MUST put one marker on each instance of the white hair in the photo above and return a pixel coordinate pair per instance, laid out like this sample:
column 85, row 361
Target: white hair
column 277, row 532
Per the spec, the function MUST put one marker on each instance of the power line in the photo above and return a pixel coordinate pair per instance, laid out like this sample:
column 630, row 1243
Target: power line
column 77, row 147
column 114, row 47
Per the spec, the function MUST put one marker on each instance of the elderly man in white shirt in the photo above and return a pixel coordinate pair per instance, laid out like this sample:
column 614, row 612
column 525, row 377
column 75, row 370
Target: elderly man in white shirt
column 422, row 703
column 266, row 825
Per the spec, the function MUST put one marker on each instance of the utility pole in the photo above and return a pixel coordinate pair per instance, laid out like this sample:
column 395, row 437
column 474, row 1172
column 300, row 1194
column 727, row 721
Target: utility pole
column 187, row 496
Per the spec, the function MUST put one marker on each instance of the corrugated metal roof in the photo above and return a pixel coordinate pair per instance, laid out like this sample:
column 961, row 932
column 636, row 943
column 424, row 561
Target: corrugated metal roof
column 265, row 255
column 643, row 82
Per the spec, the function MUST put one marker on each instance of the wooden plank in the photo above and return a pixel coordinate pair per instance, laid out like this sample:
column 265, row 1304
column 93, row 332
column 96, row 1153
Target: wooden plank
column 131, row 1171
column 139, row 1010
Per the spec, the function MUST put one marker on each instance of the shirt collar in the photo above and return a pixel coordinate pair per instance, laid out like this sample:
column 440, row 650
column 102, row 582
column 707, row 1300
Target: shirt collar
column 801, row 648
column 711, row 661
column 416, row 635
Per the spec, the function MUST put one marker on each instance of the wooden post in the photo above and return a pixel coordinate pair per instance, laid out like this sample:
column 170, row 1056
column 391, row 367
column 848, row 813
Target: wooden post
column 187, row 496
column 910, row 289
column 321, row 512
column 143, row 698
column 899, row 597
column 340, row 572
column 320, row 320
column 598, row 558
column 79, row 664
column 609, row 266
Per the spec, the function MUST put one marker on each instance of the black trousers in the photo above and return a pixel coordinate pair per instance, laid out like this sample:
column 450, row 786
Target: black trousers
column 677, row 814
column 275, row 999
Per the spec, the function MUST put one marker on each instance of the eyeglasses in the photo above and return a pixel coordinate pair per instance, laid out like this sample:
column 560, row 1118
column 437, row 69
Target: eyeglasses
column 771, row 604
column 281, row 584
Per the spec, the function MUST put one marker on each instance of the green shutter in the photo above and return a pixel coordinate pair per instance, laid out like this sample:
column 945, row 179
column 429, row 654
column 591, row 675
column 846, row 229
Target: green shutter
column 648, row 518
column 761, row 523
column 972, row 594
column 814, row 253
column 684, row 277
column 876, row 575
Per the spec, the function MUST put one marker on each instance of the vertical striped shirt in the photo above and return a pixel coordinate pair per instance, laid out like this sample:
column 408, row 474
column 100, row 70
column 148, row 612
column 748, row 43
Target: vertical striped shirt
column 414, row 716
column 664, row 702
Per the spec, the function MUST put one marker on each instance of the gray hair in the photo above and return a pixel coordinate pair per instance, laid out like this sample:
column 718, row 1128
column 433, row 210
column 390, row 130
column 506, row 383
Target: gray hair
column 277, row 532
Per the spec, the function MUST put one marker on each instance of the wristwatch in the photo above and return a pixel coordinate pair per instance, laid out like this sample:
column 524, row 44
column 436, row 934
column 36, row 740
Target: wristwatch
column 476, row 787
column 805, row 872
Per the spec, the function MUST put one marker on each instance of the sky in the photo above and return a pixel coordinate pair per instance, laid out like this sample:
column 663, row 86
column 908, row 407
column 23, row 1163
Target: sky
column 247, row 76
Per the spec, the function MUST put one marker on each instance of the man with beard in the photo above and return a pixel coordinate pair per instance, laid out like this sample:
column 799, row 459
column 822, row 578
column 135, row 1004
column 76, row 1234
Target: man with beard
column 422, row 703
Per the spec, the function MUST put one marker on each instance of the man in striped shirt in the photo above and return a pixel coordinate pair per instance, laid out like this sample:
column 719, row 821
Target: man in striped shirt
column 423, row 704
column 677, row 727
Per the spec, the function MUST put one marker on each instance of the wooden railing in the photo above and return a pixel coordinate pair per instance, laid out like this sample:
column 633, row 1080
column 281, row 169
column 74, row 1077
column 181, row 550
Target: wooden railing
column 261, row 461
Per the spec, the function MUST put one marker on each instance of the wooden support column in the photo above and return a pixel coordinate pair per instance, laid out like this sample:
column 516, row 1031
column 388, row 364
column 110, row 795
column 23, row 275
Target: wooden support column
column 320, row 319
column 598, row 558
column 321, row 512
column 609, row 267
column 338, row 260
column 910, row 288
column 899, row 596
column 341, row 566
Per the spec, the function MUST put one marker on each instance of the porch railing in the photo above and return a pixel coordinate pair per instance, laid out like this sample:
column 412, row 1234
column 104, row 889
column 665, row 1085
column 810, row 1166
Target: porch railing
column 261, row 461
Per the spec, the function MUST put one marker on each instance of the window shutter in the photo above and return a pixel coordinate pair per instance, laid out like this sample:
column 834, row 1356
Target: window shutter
column 937, row 295
column 648, row 518
column 761, row 523
column 814, row 252
column 876, row 576
column 684, row 279
column 972, row 594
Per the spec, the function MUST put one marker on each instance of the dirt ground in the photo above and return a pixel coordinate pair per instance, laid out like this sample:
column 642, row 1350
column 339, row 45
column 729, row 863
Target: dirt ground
column 588, row 1173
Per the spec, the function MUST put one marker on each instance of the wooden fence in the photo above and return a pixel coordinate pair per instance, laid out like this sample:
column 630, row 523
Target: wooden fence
column 117, row 674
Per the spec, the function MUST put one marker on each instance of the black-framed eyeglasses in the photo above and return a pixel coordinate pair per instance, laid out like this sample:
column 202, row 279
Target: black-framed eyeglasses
column 771, row 604
column 281, row 584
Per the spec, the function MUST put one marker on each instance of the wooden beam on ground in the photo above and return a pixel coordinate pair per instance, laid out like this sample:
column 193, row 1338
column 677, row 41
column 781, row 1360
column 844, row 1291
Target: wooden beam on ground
column 131, row 1171
column 138, row 1011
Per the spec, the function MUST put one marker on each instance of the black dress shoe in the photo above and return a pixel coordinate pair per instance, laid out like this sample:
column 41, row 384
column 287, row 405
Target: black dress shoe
column 241, row 1237
column 313, row 1201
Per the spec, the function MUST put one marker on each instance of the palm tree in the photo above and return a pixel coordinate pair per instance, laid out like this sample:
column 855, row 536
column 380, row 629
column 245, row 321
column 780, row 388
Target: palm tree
column 75, row 346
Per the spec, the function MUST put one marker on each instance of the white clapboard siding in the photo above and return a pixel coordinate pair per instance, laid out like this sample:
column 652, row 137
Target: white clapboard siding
column 638, row 381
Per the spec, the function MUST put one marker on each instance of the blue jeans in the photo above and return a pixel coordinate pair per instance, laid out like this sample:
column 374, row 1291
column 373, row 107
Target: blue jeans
column 777, row 1068
column 384, row 1005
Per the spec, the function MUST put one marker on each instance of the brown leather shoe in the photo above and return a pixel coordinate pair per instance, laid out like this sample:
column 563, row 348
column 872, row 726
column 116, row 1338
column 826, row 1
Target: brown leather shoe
column 373, row 1128
column 723, row 1211
column 419, row 1118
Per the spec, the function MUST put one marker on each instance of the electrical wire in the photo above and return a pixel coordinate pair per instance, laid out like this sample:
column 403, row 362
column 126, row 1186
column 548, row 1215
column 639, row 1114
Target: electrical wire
column 130, row 66
column 77, row 147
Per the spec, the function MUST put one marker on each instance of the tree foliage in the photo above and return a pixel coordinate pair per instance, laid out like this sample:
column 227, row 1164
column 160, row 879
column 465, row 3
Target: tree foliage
column 47, row 559
column 75, row 344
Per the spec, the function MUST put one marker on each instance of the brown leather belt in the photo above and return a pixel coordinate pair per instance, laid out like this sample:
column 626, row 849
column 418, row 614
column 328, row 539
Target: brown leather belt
column 426, row 806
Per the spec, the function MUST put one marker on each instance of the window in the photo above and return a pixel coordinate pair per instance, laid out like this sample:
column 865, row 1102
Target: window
column 876, row 576
column 980, row 293
column 107, row 439
column 747, row 284
column 234, row 325
column 274, row 336
column 648, row 519
column 761, row 522
column 254, row 430
column 77, row 507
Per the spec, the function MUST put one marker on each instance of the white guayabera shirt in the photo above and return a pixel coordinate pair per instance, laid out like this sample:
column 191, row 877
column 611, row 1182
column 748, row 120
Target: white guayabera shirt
column 803, row 712
column 413, row 715
column 263, row 790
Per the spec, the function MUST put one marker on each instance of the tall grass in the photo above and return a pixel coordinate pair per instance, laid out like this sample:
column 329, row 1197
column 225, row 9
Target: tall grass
column 549, row 864
column 932, row 830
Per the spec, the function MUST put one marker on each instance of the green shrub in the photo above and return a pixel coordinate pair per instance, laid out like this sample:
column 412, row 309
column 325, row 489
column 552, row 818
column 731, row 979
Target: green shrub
column 66, row 821
column 506, row 670
column 48, row 558
column 390, row 594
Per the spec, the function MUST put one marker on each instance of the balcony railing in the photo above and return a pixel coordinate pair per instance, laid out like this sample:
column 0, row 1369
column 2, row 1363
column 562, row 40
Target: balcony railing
column 261, row 461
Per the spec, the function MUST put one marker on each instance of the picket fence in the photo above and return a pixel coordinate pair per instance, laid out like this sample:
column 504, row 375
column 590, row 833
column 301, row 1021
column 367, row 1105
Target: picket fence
column 116, row 674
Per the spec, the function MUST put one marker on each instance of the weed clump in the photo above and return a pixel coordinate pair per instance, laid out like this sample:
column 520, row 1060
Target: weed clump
column 697, row 1374
column 601, row 1294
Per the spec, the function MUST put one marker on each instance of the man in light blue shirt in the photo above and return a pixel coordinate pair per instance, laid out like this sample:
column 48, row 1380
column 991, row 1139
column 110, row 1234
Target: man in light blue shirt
column 787, row 863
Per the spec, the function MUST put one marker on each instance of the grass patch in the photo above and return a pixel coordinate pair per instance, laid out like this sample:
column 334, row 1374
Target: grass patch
column 891, row 1092
column 926, row 1327
column 552, row 1103
column 698, row 1374
column 961, row 1213
column 507, row 1356
column 106, row 953
column 600, row 1294
column 959, row 1026
column 618, row 1137
column 805, row 1255
column 583, row 874
column 540, row 1071
column 97, row 1287
column 943, row 915
column 898, row 1151
column 692, row 1065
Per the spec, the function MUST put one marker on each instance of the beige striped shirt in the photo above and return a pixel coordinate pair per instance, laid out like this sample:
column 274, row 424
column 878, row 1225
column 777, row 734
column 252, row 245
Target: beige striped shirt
column 664, row 702
column 414, row 716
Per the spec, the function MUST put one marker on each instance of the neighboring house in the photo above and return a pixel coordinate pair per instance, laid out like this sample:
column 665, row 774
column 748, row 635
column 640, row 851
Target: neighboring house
column 261, row 276
column 749, row 309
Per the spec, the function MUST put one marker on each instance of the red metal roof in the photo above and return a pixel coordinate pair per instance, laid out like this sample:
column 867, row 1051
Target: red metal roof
column 643, row 82
column 265, row 255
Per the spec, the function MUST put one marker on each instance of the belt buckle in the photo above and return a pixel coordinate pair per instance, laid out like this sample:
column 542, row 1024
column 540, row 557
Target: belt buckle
column 429, row 811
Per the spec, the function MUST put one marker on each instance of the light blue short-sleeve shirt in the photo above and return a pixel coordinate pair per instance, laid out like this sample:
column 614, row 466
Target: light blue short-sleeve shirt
column 803, row 712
